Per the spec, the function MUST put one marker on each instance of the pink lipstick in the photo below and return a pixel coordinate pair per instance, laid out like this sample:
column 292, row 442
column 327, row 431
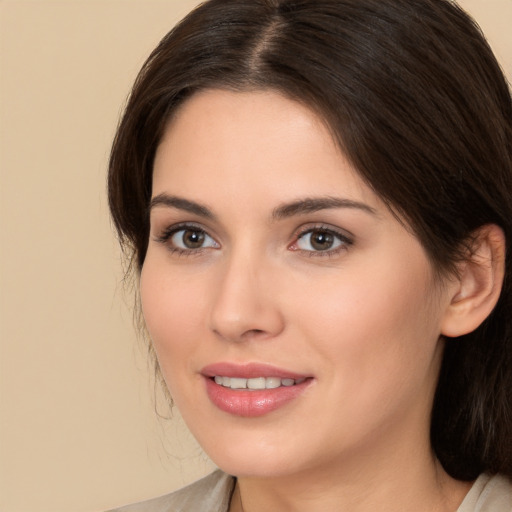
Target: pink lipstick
column 253, row 389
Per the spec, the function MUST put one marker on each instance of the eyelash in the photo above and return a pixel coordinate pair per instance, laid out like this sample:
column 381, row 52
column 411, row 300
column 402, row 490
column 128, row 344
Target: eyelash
column 170, row 231
column 343, row 238
column 345, row 241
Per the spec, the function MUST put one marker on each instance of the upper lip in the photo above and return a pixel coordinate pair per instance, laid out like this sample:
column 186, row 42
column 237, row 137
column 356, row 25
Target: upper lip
column 249, row 371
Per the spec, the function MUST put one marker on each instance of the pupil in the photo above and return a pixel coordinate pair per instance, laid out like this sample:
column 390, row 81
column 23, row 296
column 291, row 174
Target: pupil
column 322, row 241
column 193, row 239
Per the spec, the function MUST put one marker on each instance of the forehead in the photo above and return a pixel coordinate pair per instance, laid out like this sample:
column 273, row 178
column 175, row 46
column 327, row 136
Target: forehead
column 259, row 138
column 259, row 115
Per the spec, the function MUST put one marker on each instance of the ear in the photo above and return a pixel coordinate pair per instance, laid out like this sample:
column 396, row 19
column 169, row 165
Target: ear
column 477, row 287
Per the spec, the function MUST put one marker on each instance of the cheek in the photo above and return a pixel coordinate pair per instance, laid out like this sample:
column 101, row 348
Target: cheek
column 376, row 327
column 376, row 350
column 367, row 297
column 173, row 310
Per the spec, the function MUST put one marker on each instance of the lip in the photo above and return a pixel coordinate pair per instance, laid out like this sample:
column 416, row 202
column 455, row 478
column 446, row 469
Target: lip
column 249, row 371
column 254, row 403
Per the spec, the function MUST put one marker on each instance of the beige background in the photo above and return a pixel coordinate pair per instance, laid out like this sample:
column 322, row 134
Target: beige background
column 78, row 431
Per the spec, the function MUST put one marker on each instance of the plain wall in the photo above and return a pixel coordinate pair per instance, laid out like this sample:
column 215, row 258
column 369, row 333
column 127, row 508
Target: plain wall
column 78, row 429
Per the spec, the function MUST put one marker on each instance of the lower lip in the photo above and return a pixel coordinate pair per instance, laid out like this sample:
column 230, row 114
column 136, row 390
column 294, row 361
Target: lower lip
column 255, row 403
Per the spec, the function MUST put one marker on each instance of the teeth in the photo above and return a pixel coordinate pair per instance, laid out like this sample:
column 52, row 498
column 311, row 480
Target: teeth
column 255, row 383
column 272, row 382
column 238, row 383
column 258, row 383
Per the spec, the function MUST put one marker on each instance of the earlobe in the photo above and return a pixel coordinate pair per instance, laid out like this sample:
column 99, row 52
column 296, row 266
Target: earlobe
column 478, row 285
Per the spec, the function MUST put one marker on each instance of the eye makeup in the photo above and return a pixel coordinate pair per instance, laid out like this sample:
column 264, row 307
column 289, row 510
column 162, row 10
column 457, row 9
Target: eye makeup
column 321, row 240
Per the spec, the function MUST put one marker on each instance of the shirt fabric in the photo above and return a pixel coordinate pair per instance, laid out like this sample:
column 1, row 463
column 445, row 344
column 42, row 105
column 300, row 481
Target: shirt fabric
column 213, row 494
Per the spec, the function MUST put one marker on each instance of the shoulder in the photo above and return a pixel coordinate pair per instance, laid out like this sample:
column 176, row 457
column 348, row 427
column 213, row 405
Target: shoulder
column 213, row 492
column 489, row 494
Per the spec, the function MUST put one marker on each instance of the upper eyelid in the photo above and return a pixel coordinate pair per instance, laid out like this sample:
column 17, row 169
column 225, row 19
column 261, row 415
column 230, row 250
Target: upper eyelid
column 160, row 220
column 343, row 233
column 345, row 237
column 176, row 226
column 167, row 233
column 164, row 233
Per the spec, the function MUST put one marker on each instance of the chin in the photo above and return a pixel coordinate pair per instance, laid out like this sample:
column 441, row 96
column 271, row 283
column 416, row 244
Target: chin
column 255, row 466
column 255, row 453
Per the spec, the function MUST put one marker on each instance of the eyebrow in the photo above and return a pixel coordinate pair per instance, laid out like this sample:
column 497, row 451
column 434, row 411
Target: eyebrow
column 181, row 204
column 299, row 207
column 314, row 204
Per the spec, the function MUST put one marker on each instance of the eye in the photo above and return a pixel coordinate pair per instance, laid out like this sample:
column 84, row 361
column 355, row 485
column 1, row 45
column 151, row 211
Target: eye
column 186, row 239
column 321, row 240
column 191, row 239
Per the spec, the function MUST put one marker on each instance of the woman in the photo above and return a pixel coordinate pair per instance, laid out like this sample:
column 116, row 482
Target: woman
column 317, row 195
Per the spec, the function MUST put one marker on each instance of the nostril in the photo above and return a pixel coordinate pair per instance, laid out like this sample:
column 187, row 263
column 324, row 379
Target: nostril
column 253, row 332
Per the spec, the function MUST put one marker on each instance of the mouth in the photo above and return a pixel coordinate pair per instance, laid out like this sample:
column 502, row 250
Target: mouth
column 255, row 383
column 252, row 389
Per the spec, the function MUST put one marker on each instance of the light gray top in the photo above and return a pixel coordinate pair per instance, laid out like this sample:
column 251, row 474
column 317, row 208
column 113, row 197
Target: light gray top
column 488, row 494
column 210, row 494
column 213, row 494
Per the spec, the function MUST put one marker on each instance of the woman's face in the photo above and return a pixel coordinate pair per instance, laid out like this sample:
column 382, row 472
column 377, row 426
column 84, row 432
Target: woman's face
column 272, row 266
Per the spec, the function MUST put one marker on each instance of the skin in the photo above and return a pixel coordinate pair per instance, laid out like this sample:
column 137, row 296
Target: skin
column 363, row 319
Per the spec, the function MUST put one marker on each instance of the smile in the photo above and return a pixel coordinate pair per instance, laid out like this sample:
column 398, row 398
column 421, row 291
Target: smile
column 253, row 389
column 256, row 383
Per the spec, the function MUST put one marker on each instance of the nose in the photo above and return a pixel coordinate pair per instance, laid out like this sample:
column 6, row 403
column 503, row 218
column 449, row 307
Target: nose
column 245, row 304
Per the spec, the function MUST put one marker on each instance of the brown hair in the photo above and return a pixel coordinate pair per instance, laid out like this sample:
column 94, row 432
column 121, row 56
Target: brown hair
column 416, row 100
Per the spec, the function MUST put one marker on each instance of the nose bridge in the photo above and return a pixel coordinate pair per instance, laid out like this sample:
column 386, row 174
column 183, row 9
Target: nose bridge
column 244, row 304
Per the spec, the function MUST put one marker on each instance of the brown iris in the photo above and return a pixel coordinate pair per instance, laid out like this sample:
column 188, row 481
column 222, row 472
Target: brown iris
column 193, row 239
column 321, row 240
